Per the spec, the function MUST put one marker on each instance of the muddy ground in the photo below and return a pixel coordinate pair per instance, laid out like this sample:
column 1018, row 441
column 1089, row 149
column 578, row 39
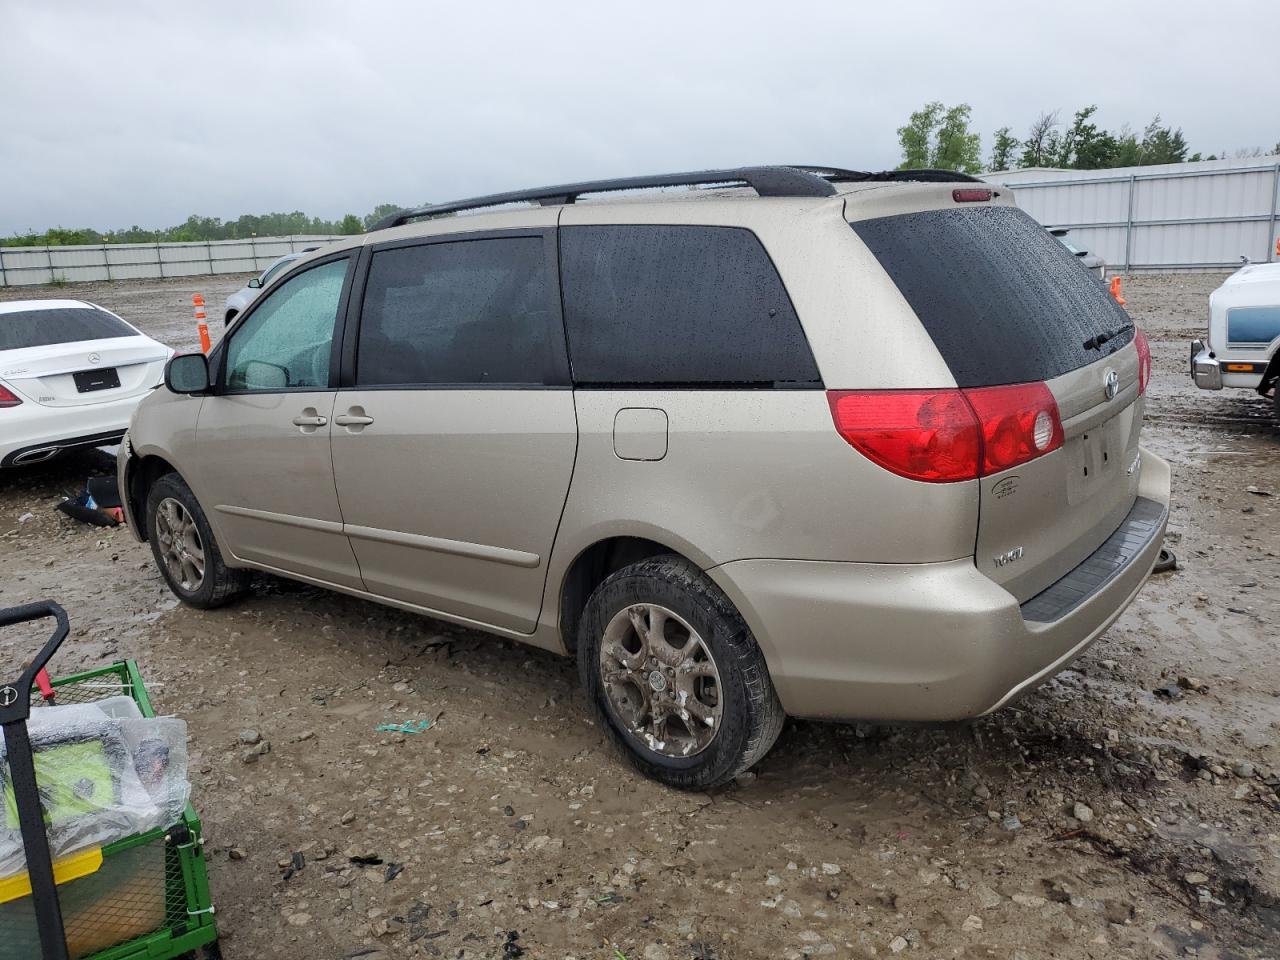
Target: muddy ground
column 1095, row 818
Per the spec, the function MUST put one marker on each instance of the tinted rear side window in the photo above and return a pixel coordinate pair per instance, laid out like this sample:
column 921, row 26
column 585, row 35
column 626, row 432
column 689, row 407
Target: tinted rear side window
column 464, row 312
column 678, row 305
column 1001, row 297
column 44, row 328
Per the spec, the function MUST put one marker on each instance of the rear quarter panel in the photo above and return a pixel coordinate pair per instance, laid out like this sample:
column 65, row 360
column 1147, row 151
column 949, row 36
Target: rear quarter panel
column 753, row 474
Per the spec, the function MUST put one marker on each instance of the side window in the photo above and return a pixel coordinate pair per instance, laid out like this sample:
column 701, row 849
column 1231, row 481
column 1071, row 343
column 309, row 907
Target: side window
column 461, row 312
column 678, row 305
column 287, row 341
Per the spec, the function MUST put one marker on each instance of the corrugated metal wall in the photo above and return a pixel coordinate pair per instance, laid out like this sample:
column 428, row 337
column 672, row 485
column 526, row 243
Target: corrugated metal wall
column 20, row 266
column 1184, row 216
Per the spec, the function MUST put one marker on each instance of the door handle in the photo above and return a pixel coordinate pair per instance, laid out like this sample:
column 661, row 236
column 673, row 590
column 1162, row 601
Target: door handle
column 352, row 420
column 310, row 421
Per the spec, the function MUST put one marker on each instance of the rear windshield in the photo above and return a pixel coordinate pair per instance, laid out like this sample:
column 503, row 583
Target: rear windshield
column 1002, row 298
column 43, row 328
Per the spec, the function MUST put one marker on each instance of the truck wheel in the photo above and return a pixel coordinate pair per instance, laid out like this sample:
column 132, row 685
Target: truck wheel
column 184, row 548
column 673, row 671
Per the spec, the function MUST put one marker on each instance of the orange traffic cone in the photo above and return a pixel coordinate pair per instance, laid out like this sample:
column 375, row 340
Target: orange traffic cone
column 201, row 326
column 1116, row 292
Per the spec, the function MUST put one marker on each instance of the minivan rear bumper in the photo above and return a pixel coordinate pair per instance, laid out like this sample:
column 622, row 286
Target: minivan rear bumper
column 931, row 641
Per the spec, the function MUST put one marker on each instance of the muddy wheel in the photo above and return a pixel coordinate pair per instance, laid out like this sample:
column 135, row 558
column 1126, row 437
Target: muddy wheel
column 184, row 548
column 673, row 671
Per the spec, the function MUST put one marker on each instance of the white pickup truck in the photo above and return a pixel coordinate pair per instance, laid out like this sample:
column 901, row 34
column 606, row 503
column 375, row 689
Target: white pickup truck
column 1243, row 344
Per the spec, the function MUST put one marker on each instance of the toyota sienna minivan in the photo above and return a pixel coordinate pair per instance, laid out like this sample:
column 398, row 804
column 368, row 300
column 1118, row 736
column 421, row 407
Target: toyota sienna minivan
column 747, row 443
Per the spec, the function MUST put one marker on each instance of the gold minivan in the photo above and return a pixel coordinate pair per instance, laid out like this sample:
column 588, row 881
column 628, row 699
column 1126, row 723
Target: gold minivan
column 748, row 443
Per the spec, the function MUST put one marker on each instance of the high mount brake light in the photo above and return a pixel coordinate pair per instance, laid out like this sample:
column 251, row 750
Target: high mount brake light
column 943, row 436
column 1144, row 360
column 8, row 398
column 971, row 195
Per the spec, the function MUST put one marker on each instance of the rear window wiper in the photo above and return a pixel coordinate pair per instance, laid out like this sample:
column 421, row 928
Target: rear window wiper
column 1097, row 340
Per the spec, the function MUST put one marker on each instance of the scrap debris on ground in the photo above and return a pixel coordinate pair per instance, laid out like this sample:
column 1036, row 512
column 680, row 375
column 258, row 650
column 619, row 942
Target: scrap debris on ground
column 1127, row 809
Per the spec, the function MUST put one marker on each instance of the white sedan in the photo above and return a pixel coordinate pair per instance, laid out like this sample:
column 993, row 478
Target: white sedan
column 71, row 374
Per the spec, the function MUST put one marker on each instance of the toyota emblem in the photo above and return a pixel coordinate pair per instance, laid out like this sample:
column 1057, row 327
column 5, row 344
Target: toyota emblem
column 8, row 696
column 95, row 358
column 1111, row 384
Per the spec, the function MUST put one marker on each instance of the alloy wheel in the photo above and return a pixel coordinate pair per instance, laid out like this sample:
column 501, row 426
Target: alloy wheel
column 181, row 548
column 661, row 680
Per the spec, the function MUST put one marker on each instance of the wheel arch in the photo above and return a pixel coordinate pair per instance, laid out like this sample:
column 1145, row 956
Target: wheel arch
column 143, row 472
column 1271, row 377
column 589, row 569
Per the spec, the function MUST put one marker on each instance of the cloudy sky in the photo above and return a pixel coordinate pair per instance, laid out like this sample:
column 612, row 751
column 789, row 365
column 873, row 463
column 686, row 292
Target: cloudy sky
column 145, row 112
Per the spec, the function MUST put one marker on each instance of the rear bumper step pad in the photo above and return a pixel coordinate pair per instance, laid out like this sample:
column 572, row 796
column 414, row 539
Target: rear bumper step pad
column 1142, row 524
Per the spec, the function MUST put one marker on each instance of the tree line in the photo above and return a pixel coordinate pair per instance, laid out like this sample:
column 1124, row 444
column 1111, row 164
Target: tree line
column 197, row 228
column 938, row 136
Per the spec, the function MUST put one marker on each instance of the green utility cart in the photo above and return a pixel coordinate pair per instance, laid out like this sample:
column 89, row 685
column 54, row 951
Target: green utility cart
column 143, row 897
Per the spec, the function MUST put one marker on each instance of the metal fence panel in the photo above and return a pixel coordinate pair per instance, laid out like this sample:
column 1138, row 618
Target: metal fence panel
column 1188, row 216
column 24, row 266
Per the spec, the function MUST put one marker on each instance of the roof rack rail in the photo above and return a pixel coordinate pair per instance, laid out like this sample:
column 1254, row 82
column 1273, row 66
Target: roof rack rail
column 917, row 175
column 766, row 181
column 791, row 180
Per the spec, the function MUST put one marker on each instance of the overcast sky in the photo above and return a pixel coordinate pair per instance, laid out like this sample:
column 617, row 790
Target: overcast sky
column 146, row 112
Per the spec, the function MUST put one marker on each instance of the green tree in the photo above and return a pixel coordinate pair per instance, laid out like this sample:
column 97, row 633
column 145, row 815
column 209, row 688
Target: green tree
column 380, row 211
column 957, row 147
column 916, row 136
column 351, row 224
column 1084, row 145
column 1040, row 149
column 1163, row 144
column 939, row 136
column 1002, row 150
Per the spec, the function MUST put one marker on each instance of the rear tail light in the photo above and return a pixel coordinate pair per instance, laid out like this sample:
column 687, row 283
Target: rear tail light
column 1019, row 423
column 8, row 398
column 942, row 436
column 1144, row 360
column 926, row 435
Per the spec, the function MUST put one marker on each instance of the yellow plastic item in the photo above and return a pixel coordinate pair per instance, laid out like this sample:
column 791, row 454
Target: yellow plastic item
column 64, row 871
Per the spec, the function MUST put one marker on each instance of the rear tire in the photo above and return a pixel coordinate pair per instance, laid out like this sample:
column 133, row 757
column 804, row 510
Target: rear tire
column 675, row 675
column 184, row 548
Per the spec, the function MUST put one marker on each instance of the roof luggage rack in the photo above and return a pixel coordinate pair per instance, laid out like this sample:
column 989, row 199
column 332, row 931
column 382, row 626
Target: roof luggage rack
column 914, row 175
column 775, row 181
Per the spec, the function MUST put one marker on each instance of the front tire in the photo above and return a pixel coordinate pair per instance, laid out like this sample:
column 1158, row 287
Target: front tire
column 675, row 675
column 184, row 548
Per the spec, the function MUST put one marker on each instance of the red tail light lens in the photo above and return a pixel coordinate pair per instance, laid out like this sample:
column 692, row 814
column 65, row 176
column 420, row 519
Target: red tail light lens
column 970, row 195
column 1019, row 423
column 8, row 398
column 928, row 435
column 942, row 436
column 1144, row 360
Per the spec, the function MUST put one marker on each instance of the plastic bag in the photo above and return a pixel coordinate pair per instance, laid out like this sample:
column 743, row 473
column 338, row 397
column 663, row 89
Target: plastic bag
column 104, row 773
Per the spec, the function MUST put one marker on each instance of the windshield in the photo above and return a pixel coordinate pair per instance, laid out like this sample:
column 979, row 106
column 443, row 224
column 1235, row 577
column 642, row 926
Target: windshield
column 1003, row 300
column 43, row 328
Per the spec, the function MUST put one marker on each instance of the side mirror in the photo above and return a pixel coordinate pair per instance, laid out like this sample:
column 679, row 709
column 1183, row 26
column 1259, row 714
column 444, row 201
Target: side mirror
column 254, row 284
column 187, row 373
